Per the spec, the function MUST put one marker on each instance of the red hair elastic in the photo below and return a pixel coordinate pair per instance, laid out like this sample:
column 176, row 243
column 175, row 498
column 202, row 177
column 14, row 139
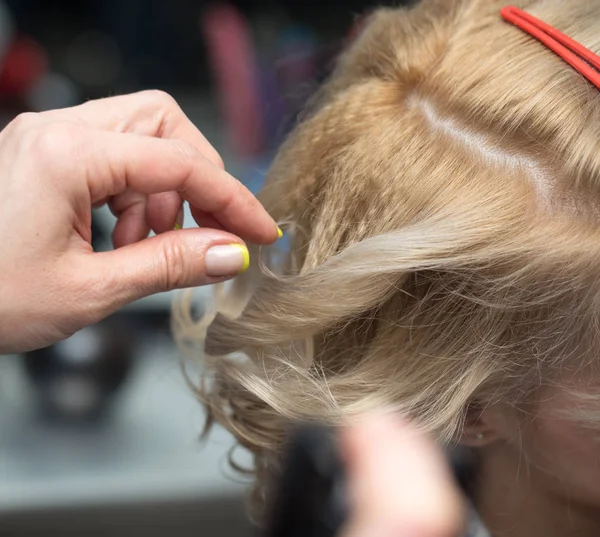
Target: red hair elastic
column 580, row 58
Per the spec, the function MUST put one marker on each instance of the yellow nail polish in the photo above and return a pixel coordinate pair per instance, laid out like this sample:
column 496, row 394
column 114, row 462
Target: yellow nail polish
column 245, row 255
column 179, row 219
column 279, row 232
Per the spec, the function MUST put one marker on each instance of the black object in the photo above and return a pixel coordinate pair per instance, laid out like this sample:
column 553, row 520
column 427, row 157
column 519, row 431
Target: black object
column 311, row 497
column 76, row 379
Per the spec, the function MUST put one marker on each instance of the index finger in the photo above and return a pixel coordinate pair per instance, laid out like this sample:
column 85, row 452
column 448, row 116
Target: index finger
column 115, row 162
column 149, row 113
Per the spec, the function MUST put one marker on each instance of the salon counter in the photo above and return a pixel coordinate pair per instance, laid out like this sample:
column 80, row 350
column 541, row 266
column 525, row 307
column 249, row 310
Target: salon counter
column 144, row 466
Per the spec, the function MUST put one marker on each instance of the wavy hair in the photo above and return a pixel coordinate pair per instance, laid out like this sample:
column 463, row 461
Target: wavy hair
column 441, row 197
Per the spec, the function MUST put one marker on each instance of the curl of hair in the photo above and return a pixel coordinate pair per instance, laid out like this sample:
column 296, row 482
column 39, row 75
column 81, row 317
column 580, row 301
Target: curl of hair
column 441, row 198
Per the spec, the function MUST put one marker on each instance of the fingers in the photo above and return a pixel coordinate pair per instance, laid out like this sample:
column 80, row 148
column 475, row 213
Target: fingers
column 204, row 219
column 173, row 260
column 163, row 211
column 130, row 210
column 149, row 113
column 137, row 214
column 400, row 483
column 115, row 163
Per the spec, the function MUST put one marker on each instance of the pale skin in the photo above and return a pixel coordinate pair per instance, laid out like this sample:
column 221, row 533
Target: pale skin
column 142, row 156
column 539, row 471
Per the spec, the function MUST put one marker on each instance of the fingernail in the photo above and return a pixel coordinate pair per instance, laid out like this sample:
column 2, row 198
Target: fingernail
column 226, row 260
column 179, row 220
column 279, row 232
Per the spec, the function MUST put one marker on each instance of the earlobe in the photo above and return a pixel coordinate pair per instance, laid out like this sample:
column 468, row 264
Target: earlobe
column 483, row 426
column 480, row 438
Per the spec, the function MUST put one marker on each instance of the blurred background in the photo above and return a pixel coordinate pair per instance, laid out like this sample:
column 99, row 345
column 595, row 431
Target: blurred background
column 100, row 433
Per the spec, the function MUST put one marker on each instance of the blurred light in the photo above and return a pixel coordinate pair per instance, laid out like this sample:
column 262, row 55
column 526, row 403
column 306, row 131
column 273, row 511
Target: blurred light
column 82, row 348
column 94, row 59
column 53, row 91
column 23, row 66
column 74, row 395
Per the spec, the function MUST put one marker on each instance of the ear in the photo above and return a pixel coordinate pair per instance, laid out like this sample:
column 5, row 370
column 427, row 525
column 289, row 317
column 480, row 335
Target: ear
column 485, row 425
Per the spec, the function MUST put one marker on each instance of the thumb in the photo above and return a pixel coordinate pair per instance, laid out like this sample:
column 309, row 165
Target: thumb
column 172, row 260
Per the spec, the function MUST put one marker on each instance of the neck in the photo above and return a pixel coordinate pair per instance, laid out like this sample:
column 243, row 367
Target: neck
column 523, row 501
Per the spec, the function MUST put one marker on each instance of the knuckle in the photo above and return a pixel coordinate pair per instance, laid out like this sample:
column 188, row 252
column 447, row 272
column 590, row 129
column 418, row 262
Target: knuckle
column 218, row 160
column 167, row 104
column 185, row 152
column 54, row 143
column 174, row 267
column 161, row 98
column 237, row 198
column 23, row 122
column 185, row 158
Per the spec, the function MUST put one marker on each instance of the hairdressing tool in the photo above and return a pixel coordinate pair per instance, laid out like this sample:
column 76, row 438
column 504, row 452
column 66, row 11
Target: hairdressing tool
column 580, row 58
column 311, row 497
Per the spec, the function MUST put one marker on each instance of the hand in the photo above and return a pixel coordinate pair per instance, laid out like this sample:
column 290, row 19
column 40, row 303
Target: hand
column 400, row 483
column 142, row 156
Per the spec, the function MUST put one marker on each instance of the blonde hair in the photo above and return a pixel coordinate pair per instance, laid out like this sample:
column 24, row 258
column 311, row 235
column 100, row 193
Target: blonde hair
column 441, row 196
